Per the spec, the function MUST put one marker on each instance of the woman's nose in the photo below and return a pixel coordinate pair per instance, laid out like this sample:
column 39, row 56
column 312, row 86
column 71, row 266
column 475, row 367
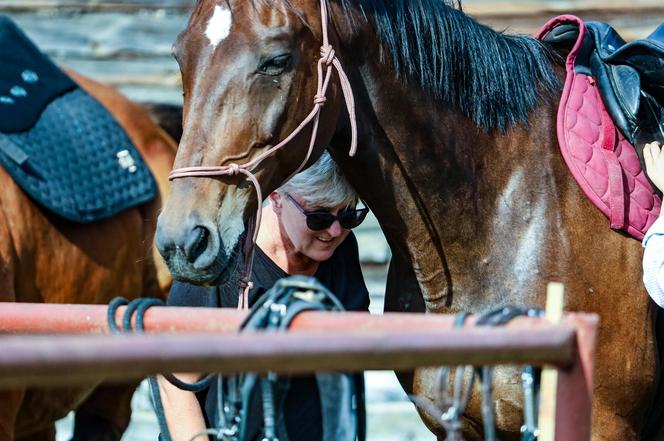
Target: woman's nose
column 335, row 229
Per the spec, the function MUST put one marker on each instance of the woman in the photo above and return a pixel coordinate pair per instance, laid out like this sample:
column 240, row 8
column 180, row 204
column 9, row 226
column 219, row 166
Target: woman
column 305, row 230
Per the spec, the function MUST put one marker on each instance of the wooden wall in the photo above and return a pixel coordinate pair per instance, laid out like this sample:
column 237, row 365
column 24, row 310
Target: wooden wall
column 128, row 42
column 125, row 43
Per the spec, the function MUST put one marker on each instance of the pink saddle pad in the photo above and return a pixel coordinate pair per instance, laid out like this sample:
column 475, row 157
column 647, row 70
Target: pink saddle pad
column 603, row 162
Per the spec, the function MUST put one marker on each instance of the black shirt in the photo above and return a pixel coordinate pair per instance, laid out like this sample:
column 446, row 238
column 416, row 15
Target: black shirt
column 341, row 274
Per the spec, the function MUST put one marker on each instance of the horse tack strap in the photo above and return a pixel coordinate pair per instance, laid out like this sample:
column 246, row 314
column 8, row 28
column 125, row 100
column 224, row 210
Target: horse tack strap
column 602, row 161
column 616, row 184
column 13, row 152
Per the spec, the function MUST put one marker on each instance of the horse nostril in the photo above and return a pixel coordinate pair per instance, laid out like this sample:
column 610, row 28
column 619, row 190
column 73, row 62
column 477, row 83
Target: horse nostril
column 166, row 248
column 197, row 243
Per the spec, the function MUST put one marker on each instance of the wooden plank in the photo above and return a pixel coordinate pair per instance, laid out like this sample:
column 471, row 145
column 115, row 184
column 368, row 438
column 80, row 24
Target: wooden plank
column 127, row 6
column 127, row 43
column 104, row 36
column 536, row 8
column 129, row 51
column 555, row 297
column 630, row 25
column 504, row 8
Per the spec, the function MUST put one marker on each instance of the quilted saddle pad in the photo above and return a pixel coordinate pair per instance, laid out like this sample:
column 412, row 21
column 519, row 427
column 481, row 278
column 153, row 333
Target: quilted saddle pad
column 70, row 155
column 604, row 164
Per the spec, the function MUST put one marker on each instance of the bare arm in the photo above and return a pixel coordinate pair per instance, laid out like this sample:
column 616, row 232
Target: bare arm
column 182, row 410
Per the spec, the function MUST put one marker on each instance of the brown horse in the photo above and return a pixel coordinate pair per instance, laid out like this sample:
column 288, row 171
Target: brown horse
column 457, row 157
column 46, row 259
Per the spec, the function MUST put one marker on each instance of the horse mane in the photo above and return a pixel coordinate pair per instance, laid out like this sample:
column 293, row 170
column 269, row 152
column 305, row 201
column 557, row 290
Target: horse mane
column 491, row 77
column 495, row 79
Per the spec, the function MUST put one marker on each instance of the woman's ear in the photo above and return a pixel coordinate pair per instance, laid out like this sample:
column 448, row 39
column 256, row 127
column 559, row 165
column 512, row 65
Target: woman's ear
column 275, row 201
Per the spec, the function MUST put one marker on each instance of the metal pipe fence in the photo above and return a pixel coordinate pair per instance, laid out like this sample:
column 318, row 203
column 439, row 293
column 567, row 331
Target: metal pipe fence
column 51, row 349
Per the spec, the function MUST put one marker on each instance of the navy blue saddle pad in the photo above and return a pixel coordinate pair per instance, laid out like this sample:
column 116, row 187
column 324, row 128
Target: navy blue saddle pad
column 58, row 143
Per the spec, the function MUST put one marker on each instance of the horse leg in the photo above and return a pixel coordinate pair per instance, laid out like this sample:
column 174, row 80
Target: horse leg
column 402, row 293
column 10, row 403
column 10, row 400
column 105, row 414
column 613, row 426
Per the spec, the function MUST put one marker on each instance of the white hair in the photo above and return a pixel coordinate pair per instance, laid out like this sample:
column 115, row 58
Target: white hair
column 322, row 185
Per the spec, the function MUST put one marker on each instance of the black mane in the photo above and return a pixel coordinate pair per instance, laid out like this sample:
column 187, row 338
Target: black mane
column 493, row 78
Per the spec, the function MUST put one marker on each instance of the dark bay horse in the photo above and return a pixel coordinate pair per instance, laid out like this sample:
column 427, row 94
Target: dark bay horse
column 46, row 259
column 457, row 157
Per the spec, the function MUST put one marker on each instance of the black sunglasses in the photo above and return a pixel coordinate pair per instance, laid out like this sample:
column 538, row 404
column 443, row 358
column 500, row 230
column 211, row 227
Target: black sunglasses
column 321, row 220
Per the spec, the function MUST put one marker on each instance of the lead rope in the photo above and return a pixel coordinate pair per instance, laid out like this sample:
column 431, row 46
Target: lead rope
column 328, row 59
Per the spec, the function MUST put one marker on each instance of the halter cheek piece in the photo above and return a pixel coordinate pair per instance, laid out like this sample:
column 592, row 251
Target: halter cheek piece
column 327, row 60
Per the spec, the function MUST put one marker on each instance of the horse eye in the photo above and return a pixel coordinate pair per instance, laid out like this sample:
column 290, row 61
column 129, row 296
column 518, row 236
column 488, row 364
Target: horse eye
column 276, row 65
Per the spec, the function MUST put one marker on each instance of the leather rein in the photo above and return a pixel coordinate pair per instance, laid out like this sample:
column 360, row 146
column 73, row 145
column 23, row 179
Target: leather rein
column 328, row 60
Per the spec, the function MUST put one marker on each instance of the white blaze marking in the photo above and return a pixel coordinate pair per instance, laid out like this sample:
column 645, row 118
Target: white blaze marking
column 219, row 25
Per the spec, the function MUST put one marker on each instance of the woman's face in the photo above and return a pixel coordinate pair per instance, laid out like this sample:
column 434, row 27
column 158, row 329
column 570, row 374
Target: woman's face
column 317, row 245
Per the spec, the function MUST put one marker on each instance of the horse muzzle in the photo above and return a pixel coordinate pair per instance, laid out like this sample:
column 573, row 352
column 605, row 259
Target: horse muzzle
column 193, row 252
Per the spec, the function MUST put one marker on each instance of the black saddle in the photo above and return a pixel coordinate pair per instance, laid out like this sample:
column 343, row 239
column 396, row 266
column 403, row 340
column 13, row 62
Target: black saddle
column 60, row 145
column 630, row 76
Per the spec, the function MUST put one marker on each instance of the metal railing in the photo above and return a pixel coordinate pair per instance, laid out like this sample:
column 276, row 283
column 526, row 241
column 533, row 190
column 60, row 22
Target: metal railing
column 206, row 340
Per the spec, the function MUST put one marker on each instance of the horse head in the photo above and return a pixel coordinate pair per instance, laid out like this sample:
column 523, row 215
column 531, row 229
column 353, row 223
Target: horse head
column 252, row 71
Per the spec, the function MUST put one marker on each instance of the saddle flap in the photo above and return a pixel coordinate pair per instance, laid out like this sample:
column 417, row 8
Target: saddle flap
column 600, row 157
column 646, row 56
column 77, row 161
column 607, row 40
column 59, row 144
column 627, row 84
column 620, row 88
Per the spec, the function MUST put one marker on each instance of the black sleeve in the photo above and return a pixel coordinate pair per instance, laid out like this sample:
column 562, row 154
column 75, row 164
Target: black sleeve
column 342, row 274
column 358, row 294
column 184, row 294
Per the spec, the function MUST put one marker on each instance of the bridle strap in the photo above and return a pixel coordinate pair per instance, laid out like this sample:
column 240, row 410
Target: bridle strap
column 327, row 62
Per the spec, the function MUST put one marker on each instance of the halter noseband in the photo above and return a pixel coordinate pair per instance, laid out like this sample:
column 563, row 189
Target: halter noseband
column 328, row 59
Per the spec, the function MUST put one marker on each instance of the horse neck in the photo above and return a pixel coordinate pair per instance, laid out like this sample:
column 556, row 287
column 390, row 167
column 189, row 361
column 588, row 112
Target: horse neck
column 436, row 181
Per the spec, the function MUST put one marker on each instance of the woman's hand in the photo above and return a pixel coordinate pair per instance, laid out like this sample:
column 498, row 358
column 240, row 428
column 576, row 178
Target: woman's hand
column 654, row 159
